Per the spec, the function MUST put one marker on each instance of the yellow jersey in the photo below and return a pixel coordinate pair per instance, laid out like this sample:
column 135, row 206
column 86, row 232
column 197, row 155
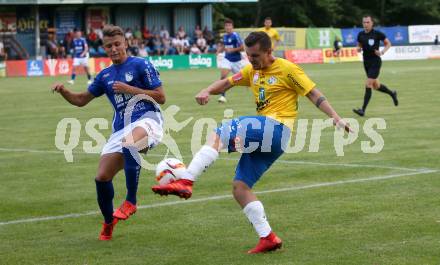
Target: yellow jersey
column 273, row 34
column 275, row 88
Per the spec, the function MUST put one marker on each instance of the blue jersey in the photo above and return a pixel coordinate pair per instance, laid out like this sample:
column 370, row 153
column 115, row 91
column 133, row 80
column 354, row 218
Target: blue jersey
column 79, row 46
column 232, row 40
column 135, row 72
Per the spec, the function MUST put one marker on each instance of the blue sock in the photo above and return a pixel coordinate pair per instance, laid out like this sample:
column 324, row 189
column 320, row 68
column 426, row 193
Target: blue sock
column 73, row 76
column 105, row 193
column 223, row 94
column 132, row 170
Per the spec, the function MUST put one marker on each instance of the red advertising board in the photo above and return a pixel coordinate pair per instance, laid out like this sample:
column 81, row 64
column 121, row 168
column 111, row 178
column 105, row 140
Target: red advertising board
column 16, row 68
column 305, row 56
column 102, row 63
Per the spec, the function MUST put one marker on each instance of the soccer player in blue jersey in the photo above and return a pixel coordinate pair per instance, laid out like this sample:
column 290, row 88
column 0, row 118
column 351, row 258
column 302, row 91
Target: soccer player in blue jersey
column 232, row 47
column 276, row 85
column 80, row 56
column 127, row 77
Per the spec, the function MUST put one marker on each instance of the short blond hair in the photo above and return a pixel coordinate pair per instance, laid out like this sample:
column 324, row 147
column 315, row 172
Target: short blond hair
column 112, row 30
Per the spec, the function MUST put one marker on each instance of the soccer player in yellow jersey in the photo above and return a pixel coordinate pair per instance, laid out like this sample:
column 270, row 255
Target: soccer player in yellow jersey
column 276, row 84
column 273, row 33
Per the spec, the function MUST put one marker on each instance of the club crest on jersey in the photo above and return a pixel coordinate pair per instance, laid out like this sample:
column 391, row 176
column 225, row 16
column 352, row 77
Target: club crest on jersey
column 128, row 76
column 272, row 80
column 256, row 77
column 371, row 42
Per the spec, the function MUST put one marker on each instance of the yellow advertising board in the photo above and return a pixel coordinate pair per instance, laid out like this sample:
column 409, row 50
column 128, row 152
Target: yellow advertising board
column 346, row 55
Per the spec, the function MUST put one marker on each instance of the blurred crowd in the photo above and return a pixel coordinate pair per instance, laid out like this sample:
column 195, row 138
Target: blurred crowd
column 141, row 42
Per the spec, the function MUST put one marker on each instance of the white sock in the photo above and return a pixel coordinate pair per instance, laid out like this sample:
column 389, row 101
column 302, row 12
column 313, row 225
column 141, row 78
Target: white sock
column 201, row 160
column 256, row 215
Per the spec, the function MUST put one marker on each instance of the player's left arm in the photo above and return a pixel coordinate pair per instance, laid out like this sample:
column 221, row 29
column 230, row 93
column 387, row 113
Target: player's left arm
column 277, row 40
column 317, row 98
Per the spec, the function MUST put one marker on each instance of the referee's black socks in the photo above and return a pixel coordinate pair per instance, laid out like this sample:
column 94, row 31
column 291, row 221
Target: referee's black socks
column 384, row 89
column 367, row 97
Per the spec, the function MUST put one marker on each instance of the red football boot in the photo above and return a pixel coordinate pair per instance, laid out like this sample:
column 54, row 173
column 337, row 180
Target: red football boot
column 127, row 208
column 266, row 244
column 107, row 230
column 180, row 187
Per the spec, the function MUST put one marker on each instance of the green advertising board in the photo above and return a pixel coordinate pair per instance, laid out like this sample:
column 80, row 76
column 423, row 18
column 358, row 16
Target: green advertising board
column 318, row 38
column 180, row 62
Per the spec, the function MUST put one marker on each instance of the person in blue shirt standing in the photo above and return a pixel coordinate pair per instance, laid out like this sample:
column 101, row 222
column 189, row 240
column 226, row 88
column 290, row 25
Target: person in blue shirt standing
column 232, row 48
column 80, row 56
column 137, row 127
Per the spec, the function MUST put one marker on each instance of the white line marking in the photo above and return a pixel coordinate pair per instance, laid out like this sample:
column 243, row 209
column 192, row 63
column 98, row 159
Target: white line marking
column 300, row 162
column 220, row 197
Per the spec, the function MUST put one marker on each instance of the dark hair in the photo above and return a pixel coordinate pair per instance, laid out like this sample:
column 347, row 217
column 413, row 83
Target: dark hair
column 258, row 37
column 229, row 21
column 370, row 16
column 268, row 18
column 112, row 30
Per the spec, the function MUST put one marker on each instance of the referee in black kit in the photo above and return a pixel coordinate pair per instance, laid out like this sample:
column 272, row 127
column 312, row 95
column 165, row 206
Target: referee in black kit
column 369, row 42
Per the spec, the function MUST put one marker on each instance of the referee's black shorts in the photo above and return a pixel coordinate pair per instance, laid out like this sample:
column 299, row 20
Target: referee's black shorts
column 372, row 67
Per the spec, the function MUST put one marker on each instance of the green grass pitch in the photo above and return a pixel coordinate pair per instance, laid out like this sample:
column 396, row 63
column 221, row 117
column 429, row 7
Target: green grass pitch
column 360, row 208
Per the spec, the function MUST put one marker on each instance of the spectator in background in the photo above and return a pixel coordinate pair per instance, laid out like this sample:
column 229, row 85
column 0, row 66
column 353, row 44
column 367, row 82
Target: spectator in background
column 197, row 33
column 194, row 49
column 166, row 44
column 137, row 33
column 52, row 47
column 128, row 34
column 201, row 44
column 157, row 45
column 3, row 54
column 436, row 40
column 92, row 39
column 209, row 36
column 68, row 38
column 181, row 34
column 164, row 34
column 143, row 50
column 133, row 48
column 146, row 35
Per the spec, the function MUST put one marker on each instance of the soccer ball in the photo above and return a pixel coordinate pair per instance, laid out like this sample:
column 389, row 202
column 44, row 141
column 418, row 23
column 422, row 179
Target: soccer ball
column 169, row 169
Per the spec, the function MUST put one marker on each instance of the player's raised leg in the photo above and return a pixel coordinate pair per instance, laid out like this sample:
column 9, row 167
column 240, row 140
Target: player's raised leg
column 201, row 160
column 109, row 165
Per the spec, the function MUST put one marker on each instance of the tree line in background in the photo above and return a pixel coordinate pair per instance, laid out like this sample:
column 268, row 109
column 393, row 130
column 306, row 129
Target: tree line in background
column 328, row 13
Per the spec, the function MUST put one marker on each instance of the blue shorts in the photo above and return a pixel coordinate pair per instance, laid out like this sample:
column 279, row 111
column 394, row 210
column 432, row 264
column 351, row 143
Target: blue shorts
column 260, row 139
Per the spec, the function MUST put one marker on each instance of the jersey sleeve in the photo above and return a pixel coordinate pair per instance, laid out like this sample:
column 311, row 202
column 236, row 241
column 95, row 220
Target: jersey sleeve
column 299, row 81
column 241, row 78
column 239, row 41
column 276, row 35
column 96, row 88
column 150, row 77
column 381, row 35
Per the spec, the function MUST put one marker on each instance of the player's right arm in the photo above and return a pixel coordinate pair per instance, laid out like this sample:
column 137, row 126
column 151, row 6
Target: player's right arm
column 215, row 88
column 239, row 79
column 77, row 99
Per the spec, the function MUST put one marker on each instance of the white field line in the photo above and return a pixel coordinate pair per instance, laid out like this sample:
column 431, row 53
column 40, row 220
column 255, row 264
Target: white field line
column 233, row 159
column 220, row 197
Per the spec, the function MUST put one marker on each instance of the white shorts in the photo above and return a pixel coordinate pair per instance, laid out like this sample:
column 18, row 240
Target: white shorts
column 81, row 61
column 152, row 127
column 234, row 67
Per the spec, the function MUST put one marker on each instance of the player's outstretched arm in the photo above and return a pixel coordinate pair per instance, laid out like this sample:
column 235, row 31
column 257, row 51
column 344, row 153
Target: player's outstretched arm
column 317, row 98
column 77, row 99
column 215, row 88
